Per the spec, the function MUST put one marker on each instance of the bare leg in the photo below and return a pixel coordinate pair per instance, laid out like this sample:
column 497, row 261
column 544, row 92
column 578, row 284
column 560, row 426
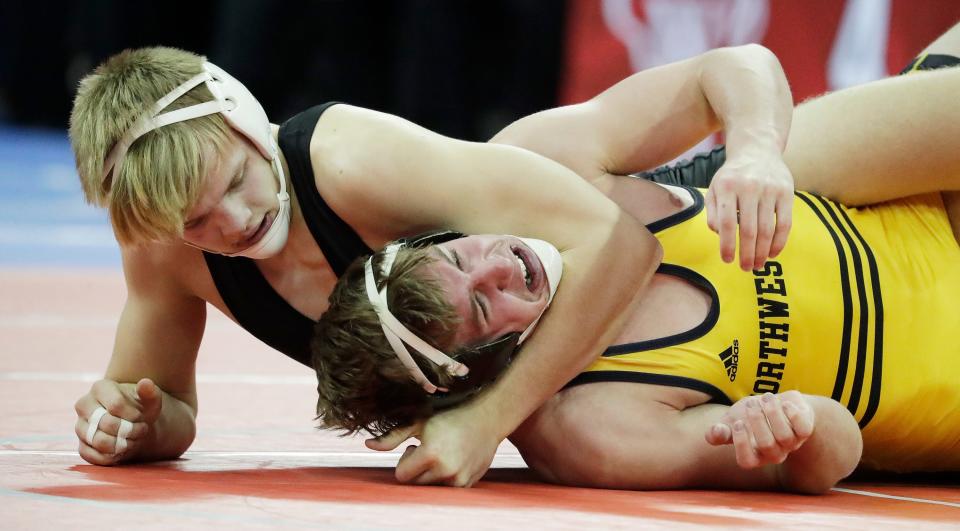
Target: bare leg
column 882, row 140
column 949, row 44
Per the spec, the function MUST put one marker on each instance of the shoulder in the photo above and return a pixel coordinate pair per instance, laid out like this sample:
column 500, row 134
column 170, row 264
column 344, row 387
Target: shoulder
column 166, row 271
column 348, row 137
column 363, row 158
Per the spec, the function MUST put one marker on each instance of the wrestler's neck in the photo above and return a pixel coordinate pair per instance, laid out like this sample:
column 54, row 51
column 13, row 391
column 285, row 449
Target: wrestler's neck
column 301, row 249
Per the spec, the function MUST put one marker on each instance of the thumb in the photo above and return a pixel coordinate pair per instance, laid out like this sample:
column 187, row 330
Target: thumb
column 390, row 440
column 150, row 398
column 719, row 434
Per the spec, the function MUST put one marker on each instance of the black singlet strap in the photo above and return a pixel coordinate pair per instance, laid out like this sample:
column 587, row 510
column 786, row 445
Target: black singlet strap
column 338, row 241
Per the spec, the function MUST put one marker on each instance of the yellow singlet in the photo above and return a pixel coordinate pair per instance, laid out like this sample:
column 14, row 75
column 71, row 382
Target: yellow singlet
column 860, row 306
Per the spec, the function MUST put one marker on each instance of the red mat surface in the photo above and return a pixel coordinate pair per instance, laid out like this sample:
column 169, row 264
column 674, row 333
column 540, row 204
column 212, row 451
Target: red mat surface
column 258, row 462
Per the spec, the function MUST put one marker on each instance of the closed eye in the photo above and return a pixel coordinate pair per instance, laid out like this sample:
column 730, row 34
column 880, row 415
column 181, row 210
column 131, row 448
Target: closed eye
column 482, row 307
column 194, row 223
column 238, row 180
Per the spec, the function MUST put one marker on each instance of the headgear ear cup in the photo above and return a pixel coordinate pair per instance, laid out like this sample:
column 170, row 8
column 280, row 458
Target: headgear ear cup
column 246, row 115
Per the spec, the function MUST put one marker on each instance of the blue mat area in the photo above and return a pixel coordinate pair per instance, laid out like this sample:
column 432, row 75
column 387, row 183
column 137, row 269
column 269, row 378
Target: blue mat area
column 44, row 220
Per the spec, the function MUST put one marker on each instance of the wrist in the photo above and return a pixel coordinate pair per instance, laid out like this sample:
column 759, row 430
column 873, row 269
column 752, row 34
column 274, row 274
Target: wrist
column 490, row 415
column 754, row 140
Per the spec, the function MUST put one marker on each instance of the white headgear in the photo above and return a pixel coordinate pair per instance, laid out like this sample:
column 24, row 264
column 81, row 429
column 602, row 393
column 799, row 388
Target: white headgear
column 244, row 114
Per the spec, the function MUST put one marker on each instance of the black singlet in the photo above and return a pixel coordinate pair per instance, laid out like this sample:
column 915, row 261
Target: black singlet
column 251, row 299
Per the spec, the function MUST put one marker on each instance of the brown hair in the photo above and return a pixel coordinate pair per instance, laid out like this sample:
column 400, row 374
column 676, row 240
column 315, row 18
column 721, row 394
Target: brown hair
column 361, row 383
column 161, row 175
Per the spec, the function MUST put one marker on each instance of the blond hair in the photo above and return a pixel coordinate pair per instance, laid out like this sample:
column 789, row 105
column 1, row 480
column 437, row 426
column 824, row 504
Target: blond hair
column 361, row 383
column 161, row 176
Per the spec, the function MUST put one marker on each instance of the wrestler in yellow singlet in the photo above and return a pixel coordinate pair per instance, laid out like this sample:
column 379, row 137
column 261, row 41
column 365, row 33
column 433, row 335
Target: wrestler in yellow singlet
column 860, row 306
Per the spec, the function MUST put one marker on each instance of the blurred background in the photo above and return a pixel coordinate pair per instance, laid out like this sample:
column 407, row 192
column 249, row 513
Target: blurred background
column 464, row 68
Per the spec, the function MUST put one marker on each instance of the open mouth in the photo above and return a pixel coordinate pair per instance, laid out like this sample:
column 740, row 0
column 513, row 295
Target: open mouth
column 530, row 267
column 262, row 229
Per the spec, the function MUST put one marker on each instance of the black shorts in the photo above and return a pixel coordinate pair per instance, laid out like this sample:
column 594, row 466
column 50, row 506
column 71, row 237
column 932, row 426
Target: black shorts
column 930, row 62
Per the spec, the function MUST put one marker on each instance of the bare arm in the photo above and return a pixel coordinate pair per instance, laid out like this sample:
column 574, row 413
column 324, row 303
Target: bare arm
column 407, row 178
column 655, row 115
column 150, row 380
column 658, row 446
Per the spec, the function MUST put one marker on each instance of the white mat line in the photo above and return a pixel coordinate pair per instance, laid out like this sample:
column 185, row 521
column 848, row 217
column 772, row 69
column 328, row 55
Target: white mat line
column 90, row 377
column 892, row 497
column 209, row 453
column 389, row 459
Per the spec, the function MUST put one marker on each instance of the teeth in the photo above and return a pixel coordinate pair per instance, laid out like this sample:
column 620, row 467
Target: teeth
column 523, row 268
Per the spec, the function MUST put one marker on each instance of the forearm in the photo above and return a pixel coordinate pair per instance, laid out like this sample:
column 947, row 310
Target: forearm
column 829, row 455
column 749, row 94
column 600, row 285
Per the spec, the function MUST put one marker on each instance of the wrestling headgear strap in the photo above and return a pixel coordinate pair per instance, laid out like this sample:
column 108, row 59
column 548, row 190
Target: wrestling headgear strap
column 485, row 362
column 244, row 114
column 395, row 331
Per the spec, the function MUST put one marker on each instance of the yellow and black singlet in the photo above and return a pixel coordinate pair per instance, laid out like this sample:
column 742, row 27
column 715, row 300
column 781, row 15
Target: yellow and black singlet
column 860, row 306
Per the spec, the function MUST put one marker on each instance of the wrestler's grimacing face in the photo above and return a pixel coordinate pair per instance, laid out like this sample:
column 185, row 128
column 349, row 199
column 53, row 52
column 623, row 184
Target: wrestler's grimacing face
column 496, row 284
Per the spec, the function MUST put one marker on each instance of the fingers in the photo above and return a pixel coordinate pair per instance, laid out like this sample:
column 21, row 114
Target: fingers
column 112, row 397
column 768, row 449
column 726, row 222
column 752, row 198
column 95, row 457
column 779, row 425
column 422, row 466
column 110, row 420
column 394, row 437
column 719, row 434
column 747, row 456
column 710, row 200
column 150, row 398
column 783, row 224
column 767, row 430
column 414, row 466
column 801, row 418
column 747, row 215
column 105, row 440
column 765, row 229
column 111, row 426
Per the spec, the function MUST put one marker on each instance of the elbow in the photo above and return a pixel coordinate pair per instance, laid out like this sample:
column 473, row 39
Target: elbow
column 751, row 51
column 832, row 454
column 635, row 242
column 752, row 56
column 645, row 252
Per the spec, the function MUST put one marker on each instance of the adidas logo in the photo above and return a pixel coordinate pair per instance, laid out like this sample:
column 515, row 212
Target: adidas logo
column 730, row 358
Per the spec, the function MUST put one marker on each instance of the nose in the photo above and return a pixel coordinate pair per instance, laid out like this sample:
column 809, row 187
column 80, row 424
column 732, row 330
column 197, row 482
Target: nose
column 492, row 272
column 232, row 216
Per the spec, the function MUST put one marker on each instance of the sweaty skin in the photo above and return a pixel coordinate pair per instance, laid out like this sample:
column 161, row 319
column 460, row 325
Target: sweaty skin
column 363, row 161
column 680, row 442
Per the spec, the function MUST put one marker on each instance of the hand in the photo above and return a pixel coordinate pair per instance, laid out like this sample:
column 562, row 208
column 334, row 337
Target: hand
column 755, row 191
column 764, row 429
column 454, row 450
column 138, row 403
